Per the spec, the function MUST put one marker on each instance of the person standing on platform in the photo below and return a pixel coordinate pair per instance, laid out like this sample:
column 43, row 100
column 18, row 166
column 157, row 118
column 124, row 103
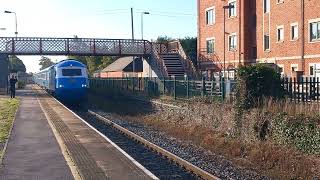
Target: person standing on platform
column 13, row 81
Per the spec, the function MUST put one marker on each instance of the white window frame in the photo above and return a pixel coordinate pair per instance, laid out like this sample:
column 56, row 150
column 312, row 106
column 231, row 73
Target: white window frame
column 294, row 65
column 236, row 45
column 266, row 9
column 279, row 35
column 309, row 32
column 280, row 1
column 282, row 67
column 314, row 69
column 291, row 30
column 235, row 8
column 213, row 47
column 213, row 15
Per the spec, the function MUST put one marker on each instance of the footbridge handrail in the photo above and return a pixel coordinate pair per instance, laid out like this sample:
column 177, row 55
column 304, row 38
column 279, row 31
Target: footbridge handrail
column 74, row 46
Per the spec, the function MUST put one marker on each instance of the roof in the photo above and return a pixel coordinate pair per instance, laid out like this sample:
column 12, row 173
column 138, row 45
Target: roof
column 70, row 62
column 118, row 65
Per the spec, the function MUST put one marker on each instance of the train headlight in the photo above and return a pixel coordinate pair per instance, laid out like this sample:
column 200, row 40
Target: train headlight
column 60, row 86
column 84, row 85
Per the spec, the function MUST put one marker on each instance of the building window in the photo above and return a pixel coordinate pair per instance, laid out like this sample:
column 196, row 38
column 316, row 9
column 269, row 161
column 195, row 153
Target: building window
column 210, row 46
column 281, row 69
column 280, row 33
column 311, row 70
column 315, row 31
column 233, row 10
column 294, row 31
column 266, row 42
column 232, row 42
column 210, row 16
column 280, row 1
column 294, row 67
column 266, row 6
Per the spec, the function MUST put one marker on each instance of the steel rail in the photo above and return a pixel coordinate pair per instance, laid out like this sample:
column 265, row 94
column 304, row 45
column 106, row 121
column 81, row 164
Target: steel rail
column 190, row 167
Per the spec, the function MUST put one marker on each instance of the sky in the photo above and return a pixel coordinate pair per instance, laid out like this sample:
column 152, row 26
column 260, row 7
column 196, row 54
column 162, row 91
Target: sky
column 96, row 19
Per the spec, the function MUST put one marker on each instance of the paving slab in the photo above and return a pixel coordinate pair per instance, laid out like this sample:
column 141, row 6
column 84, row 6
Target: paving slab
column 92, row 153
column 33, row 151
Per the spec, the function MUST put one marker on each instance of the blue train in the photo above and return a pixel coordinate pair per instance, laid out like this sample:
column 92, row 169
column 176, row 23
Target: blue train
column 66, row 80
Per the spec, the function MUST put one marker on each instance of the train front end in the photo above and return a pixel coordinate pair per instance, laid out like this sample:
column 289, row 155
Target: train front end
column 71, row 81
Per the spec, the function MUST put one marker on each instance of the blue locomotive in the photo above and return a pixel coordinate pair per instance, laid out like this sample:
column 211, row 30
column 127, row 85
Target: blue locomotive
column 66, row 80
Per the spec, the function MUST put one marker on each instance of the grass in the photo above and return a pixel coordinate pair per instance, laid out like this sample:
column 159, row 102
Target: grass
column 8, row 108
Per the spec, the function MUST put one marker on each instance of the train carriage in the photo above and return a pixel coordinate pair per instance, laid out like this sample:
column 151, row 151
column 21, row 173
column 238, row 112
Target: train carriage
column 67, row 80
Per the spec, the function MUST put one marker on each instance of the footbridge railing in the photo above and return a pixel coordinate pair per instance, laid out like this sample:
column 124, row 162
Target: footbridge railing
column 74, row 46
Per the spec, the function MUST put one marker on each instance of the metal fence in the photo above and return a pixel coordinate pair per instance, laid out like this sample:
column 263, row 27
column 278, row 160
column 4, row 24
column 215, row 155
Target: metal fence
column 302, row 89
column 183, row 89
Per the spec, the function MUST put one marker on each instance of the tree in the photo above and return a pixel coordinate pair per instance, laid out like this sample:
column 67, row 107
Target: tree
column 163, row 39
column 45, row 62
column 189, row 45
column 94, row 63
column 16, row 64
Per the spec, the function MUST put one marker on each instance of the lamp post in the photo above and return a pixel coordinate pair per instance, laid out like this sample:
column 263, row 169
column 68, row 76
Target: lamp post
column 224, row 36
column 142, row 13
column 132, row 34
column 15, row 15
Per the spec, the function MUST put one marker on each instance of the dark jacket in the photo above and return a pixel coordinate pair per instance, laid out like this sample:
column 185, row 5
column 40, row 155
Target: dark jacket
column 13, row 82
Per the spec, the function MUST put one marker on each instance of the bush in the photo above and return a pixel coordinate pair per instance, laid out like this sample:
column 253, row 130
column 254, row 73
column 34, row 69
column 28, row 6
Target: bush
column 21, row 85
column 300, row 131
column 256, row 82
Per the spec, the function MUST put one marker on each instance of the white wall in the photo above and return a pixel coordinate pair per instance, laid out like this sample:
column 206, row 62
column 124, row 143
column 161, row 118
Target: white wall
column 147, row 70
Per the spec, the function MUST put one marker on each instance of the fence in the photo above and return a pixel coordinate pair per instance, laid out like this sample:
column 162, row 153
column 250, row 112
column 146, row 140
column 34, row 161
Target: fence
column 183, row 89
column 302, row 89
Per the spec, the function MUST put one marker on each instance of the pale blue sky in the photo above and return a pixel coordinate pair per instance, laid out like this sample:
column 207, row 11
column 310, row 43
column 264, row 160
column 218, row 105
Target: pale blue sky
column 97, row 18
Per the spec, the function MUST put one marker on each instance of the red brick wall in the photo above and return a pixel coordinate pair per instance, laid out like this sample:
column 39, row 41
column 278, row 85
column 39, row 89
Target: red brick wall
column 245, row 11
column 285, row 53
column 288, row 52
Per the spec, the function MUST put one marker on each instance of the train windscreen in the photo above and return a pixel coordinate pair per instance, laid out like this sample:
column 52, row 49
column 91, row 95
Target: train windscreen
column 71, row 72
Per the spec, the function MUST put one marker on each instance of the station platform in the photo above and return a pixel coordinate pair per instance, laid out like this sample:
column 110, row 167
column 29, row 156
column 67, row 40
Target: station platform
column 50, row 142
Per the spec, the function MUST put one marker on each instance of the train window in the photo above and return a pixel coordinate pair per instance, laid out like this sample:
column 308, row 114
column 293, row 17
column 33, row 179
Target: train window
column 71, row 72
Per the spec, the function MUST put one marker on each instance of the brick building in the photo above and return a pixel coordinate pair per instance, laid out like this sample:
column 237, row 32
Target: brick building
column 284, row 32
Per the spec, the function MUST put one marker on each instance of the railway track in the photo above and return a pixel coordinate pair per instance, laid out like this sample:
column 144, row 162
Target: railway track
column 157, row 160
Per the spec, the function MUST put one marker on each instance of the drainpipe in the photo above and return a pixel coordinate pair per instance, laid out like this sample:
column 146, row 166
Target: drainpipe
column 199, row 36
column 240, row 35
column 302, row 37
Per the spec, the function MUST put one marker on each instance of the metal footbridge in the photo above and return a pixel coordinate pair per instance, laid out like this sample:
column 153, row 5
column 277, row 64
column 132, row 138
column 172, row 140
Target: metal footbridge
column 74, row 46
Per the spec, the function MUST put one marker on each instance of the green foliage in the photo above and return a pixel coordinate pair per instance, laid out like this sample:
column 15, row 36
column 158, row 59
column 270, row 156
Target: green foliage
column 163, row 39
column 21, row 85
column 94, row 63
column 8, row 109
column 189, row 45
column 16, row 64
column 257, row 82
column 299, row 131
column 254, row 84
column 45, row 62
